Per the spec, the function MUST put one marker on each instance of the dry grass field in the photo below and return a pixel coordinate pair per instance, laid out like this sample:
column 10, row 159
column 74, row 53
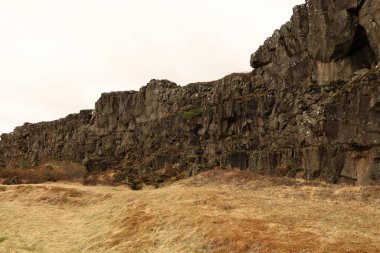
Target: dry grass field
column 216, row 211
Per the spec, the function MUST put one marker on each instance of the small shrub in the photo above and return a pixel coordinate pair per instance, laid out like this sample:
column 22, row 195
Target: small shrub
column 119, row 176
column 192, row 114
column 12, row 181
column 2, row 239
column 137, row 186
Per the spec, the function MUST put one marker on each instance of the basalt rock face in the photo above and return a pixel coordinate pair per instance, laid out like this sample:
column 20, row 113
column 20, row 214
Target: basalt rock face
column 32, row 144
column 310, row 107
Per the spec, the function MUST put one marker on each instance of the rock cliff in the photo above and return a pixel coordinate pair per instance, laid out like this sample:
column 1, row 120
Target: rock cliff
column 310, row 107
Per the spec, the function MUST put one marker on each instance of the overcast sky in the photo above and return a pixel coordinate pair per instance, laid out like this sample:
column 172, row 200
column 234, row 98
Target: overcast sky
column 58, row 56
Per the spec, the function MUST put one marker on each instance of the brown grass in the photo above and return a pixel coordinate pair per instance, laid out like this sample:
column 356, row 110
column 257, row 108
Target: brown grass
column 216, row 211
column 49, row 172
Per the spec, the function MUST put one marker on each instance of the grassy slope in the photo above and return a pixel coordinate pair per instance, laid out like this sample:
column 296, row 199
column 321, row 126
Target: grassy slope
column 217, row 211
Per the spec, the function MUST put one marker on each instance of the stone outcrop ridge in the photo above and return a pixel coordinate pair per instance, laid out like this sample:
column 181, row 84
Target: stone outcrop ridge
column 310, row 107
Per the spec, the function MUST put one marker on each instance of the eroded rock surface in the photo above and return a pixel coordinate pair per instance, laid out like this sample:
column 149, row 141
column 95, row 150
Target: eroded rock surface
column 310, row 107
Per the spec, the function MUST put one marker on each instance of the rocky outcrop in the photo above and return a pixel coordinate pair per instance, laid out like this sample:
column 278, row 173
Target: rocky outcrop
column 310, row 107
column 32, row 144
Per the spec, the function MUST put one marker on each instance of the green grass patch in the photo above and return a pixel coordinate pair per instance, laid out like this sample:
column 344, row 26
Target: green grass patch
column 2, row 239
column 192, row 114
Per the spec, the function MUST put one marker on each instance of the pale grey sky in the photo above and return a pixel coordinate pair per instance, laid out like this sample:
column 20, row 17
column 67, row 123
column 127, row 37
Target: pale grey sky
column 58, row 56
